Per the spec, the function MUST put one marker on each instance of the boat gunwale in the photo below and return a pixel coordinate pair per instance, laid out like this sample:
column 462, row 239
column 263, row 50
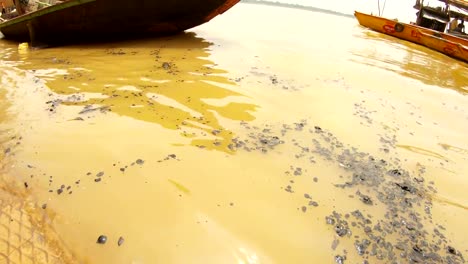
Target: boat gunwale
column 43, row 11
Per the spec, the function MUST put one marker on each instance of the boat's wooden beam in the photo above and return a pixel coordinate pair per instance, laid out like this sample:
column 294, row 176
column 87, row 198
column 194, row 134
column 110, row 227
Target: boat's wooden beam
column 32, row 33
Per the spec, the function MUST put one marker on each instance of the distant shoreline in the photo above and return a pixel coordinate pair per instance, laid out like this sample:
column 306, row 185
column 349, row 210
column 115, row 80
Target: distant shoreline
column 308, row 8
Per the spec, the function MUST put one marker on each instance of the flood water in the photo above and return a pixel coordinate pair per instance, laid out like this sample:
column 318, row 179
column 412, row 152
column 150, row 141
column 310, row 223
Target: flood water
column 286, row 137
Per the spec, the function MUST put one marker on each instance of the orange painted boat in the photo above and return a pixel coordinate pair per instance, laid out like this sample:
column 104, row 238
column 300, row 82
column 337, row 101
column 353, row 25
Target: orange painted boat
column 78, row 20
column 450, row 45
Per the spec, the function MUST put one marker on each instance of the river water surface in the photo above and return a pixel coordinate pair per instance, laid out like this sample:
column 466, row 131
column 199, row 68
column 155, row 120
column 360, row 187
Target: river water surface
column 269, row 135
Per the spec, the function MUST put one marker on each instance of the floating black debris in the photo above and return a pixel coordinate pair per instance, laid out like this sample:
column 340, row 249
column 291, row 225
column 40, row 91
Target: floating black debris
column 102, row 239
column 120, row 241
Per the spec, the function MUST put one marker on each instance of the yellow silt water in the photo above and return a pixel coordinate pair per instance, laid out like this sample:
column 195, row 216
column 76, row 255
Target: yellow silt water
column 241, row 141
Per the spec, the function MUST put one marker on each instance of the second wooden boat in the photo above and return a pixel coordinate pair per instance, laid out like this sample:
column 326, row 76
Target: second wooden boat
column 445, row 43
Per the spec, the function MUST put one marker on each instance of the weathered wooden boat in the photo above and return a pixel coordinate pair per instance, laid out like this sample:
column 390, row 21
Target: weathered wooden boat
column 97, row 19
column 445, row 43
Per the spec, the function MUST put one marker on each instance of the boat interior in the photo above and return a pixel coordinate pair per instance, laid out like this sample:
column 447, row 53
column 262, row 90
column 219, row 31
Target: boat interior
column 14, row 8
column 449, row 18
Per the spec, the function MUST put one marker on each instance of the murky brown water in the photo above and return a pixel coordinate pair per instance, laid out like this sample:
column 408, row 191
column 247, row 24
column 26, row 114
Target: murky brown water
column 232, row 143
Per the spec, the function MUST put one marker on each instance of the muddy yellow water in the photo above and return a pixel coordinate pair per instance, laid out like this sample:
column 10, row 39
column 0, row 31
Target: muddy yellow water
column 244, row 140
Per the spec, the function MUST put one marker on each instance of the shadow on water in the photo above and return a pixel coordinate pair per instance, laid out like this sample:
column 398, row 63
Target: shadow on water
column 411, row 60
column 168, row 81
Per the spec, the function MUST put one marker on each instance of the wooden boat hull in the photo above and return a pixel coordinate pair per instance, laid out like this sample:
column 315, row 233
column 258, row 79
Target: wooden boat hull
column 450, row 48
column 444, row 43
column 95, row 19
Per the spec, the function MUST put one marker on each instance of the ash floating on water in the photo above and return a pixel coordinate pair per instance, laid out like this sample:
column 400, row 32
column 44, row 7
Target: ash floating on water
column 405, row 232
